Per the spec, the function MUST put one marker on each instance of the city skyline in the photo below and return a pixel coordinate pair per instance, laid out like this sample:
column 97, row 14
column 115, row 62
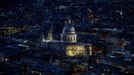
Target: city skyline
column 66, row 37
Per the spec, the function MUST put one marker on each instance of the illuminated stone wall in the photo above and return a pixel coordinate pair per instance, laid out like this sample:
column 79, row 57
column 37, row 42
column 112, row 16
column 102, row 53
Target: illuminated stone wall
column 75, row 50
column 70, row 49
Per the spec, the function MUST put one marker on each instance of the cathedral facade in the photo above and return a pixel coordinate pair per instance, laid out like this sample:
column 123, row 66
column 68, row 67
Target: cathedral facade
column 68, row 45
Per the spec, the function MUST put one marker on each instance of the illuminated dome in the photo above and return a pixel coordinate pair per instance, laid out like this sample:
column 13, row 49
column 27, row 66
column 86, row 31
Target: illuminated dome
column 68, row 34
column 69, row 29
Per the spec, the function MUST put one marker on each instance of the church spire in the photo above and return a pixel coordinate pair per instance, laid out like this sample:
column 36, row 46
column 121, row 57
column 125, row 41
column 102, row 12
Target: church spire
column 50, row 35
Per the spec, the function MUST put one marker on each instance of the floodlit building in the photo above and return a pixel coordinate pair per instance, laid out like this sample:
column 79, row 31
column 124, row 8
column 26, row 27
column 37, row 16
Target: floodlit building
column 68, row 45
